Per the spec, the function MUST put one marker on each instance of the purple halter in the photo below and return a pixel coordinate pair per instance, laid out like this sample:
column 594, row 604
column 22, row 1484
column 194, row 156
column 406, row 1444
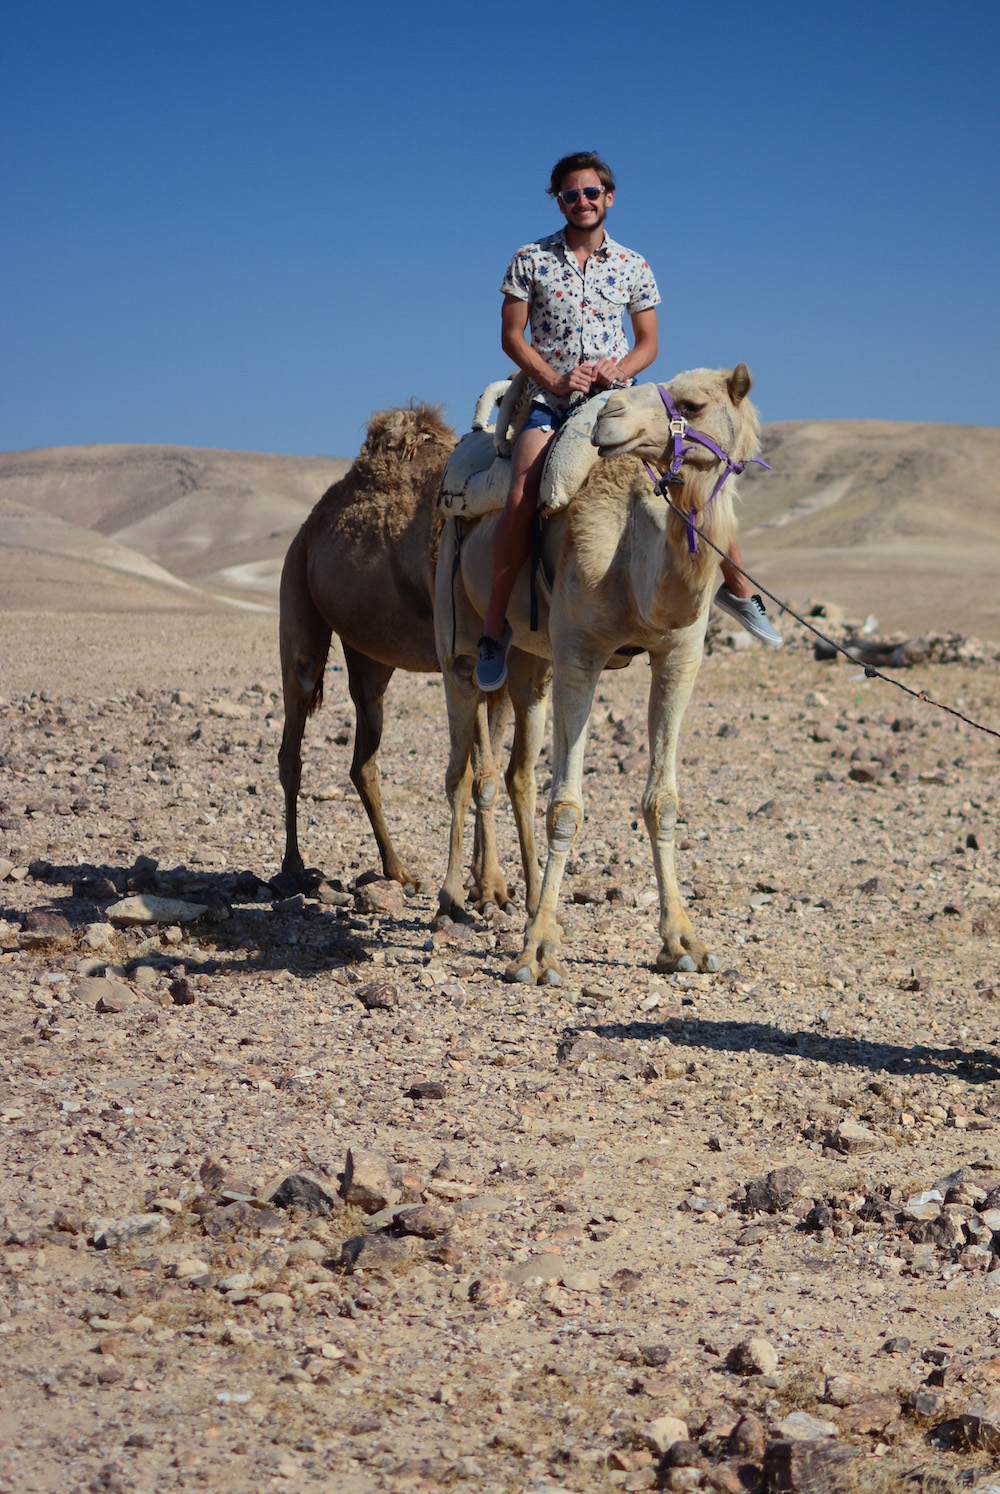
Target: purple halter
column 679, row 431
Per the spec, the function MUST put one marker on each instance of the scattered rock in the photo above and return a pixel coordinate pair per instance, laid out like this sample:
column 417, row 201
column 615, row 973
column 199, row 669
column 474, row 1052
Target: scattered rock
column 803, row 1467
column 774, row 1192
column 148, row 908
column 43, row 927
column 378, row 996
column 752, row 1356
column 303, row 1190
column 851, row 1137
column 377, row 1252
column 800, row 1426
column 663, row 1433
column 380, row 897
column 134, row 1229
column 429, row 1221
column 371, row 1182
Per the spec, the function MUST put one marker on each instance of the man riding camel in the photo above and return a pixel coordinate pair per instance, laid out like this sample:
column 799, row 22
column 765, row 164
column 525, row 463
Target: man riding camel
column 570, row 291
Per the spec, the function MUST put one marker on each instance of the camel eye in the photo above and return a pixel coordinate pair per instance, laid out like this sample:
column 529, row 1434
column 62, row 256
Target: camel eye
column 689, row 409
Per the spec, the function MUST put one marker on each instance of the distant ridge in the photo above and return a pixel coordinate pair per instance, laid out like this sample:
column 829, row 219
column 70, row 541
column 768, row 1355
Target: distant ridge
column 215, row 523
column 893, row 518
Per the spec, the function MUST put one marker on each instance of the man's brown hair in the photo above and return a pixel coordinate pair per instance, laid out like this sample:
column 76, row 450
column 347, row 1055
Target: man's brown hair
column 581, row 160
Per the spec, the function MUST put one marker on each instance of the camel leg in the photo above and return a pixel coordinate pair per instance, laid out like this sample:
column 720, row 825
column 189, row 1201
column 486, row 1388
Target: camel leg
column 529, row 681
column 489, row 885
column 572, row 696
column 673, row 680
column 462, row 698
column 305, row 645
column 368, row 681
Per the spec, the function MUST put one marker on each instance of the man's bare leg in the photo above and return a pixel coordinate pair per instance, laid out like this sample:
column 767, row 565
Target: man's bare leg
column 512, row 538
column 737, row 584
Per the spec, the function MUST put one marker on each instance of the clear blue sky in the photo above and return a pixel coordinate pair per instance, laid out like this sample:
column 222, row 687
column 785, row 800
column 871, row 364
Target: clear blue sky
column 249, row 225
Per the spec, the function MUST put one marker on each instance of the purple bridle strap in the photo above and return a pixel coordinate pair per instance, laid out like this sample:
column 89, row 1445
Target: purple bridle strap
column 679, row 432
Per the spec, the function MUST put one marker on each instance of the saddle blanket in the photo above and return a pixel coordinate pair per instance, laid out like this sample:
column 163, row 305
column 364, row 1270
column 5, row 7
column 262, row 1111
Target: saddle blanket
column 476, row 480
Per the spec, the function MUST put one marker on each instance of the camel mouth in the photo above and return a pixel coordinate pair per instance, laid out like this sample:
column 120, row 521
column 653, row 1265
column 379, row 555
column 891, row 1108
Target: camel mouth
column 616, row 448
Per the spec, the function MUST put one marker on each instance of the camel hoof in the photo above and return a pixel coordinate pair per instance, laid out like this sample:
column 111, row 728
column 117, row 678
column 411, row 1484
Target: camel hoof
column 712, row 963
column 522, row 975
column 510, row 907
column 686, row 963
column 552, row 978
column 442, row 921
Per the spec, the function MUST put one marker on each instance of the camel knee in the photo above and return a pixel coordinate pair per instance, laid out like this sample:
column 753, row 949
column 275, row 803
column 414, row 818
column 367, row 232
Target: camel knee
column 562, row 823
column 486, row 793
column 660, row 815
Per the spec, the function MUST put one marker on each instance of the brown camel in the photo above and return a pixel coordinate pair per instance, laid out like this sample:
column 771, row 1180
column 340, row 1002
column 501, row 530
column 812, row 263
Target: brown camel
column 624, row 579
column 362, row 566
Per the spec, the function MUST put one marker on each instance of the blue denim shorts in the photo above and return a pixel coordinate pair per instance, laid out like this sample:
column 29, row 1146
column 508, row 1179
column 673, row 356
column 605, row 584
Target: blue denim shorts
column 542, row 418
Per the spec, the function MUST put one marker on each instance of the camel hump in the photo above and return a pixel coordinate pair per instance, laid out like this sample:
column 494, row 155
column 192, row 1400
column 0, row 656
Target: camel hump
column 571, row 456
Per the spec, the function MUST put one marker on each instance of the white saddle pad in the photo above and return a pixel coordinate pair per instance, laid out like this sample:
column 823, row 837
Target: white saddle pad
column 476, row 480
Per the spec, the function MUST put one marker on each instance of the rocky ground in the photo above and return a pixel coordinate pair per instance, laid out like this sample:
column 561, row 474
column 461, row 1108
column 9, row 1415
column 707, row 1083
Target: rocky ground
column 297, row 1195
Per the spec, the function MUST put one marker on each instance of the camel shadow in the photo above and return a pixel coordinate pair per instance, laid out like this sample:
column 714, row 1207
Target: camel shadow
column 249, row 924
column 696, row 1034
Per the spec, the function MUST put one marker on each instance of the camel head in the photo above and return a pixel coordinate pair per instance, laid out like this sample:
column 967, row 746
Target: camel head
column 400, row 433
column 712, row 401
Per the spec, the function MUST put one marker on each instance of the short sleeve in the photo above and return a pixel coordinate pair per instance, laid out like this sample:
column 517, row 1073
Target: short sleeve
column 519, row 279
column 644, row 292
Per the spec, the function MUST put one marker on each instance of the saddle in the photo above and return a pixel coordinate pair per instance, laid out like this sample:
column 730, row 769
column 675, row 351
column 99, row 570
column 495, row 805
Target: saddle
column 476, row 480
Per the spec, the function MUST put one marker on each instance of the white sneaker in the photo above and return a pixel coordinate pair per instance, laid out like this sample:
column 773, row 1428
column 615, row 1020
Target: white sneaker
column 749, row 611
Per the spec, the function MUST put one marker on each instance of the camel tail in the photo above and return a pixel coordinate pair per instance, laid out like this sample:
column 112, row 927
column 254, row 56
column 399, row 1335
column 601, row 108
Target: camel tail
column 316, row 698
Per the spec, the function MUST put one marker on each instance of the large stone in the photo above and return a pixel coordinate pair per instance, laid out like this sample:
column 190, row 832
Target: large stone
column 377, row 996
column 371, row 1181
column 663, row 1433
column 869, row 1416
column 302, row 1190
column 537, row 1268
column 752, row 1356
column 980, row 1421
column 135, row 1228
column 800, row 1426
column 792, row 1467
column 850, row 1137
column 846, row 1389
column 42, row 926
column 776, row 1191
column 377, row 1252
column 380, row 897
column 428, row 1221
column 106, row 995
column 148, row 908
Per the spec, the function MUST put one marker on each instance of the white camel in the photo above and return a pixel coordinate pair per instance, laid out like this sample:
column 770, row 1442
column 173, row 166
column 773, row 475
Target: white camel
column 629, row 577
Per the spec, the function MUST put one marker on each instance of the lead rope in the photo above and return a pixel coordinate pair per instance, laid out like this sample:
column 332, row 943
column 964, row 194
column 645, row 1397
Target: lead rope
column 870, row 672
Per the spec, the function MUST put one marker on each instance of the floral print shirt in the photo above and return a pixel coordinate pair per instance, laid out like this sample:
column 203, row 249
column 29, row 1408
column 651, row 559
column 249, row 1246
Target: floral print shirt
column 577, row 316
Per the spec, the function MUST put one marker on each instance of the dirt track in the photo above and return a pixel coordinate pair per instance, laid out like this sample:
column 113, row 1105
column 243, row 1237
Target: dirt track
column 590, row 1257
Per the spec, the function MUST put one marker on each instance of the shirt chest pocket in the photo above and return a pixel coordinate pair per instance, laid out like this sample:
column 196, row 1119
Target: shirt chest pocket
column 609, row 299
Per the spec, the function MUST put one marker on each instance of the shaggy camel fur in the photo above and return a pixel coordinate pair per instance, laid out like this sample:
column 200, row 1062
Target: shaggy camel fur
column 624, row 580
column 362, row 566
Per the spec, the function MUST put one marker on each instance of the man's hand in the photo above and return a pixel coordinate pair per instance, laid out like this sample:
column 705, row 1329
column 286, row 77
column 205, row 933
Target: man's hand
column 603, row 373
column 577, row 381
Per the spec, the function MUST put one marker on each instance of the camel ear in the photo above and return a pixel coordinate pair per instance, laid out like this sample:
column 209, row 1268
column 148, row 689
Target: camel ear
column 739, row 383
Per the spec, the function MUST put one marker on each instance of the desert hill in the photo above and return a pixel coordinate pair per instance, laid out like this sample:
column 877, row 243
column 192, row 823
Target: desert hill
column 892, row 518
column 85, row 528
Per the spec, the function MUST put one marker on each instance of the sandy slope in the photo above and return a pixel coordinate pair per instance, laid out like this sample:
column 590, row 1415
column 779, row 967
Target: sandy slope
column 896, row 519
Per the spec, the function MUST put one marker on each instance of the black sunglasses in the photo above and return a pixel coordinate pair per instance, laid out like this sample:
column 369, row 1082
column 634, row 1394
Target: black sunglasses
column 573, row 194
